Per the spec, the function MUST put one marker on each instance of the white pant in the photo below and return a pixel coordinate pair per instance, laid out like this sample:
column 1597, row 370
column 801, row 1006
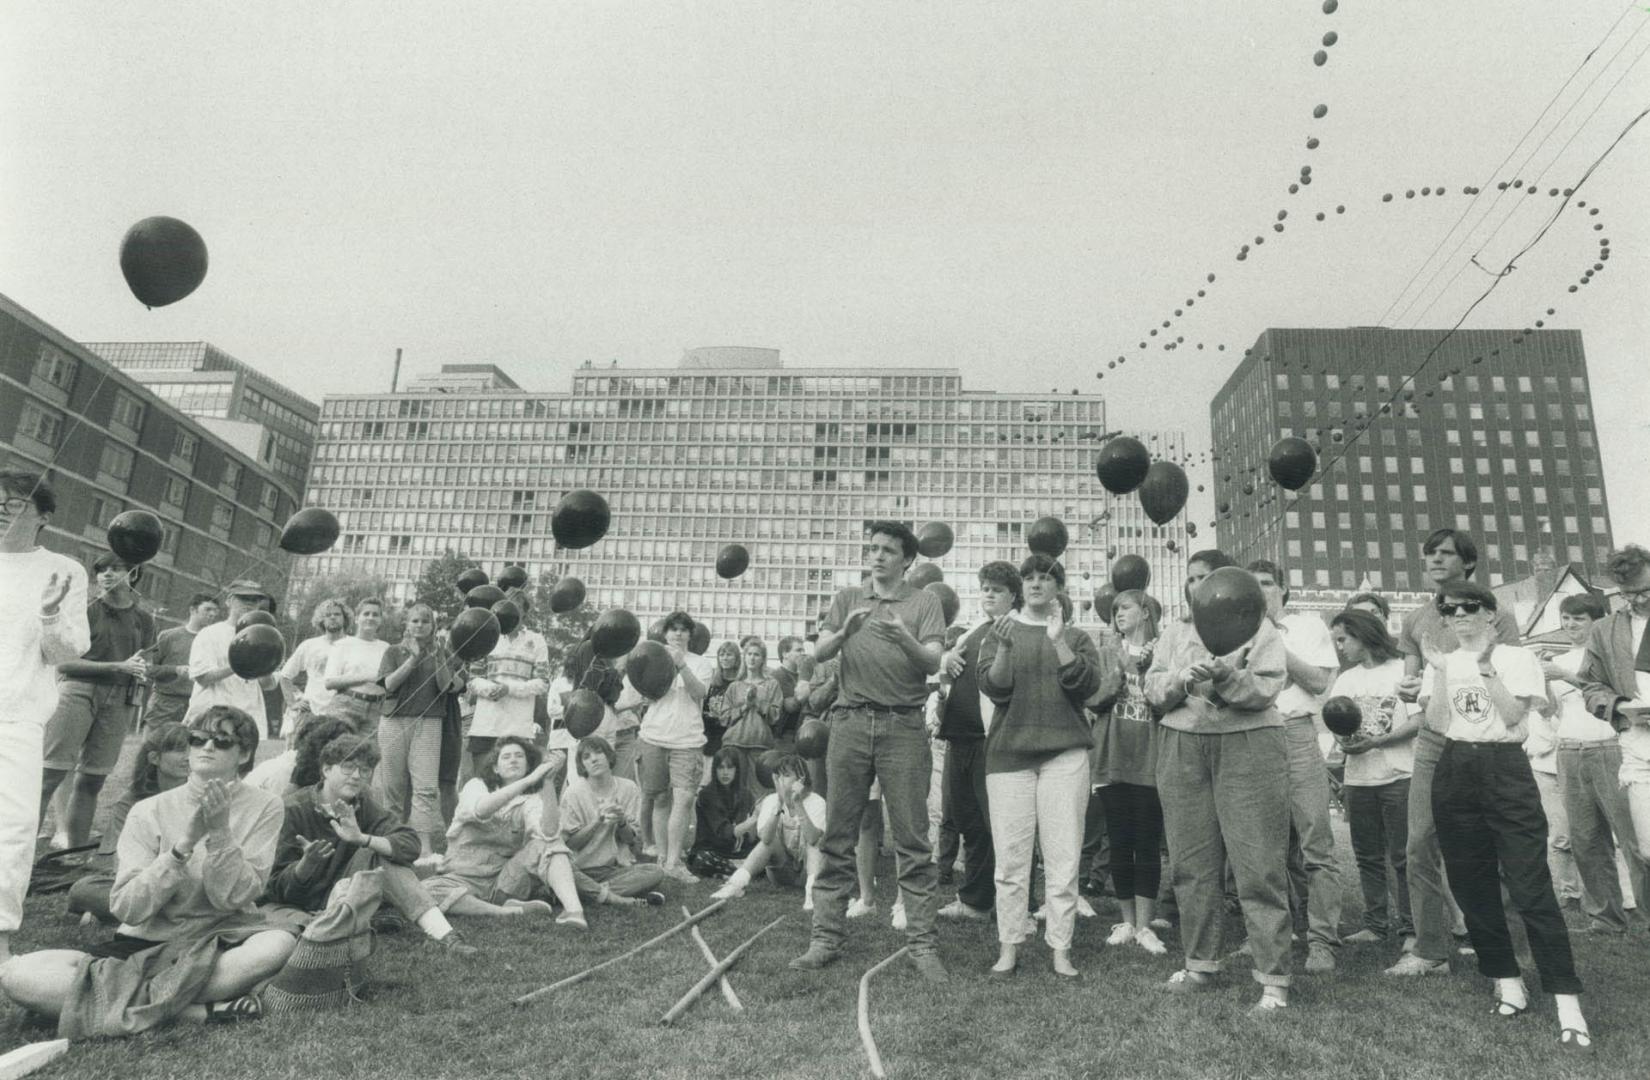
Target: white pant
column 22, row 745
column 1045, row 804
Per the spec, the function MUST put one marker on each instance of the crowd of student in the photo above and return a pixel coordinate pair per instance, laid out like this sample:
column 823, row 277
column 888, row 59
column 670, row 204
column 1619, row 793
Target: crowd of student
column 1023, row 747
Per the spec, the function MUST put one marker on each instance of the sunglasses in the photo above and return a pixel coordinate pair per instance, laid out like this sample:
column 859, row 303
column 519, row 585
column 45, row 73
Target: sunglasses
column 198, row 739
column 1465, row 607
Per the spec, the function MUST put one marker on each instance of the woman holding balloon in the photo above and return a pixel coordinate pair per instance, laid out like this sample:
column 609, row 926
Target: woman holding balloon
column 420, row 674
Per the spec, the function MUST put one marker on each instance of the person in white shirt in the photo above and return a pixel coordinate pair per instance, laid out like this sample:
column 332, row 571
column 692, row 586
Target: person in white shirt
column 1487, row 808
column 672, row 736
column 309, row 660
column 215, row 681
column 1315, row 877
column 355, row 670
column 518, row 670
column 790, row 823
column 1589, row 761
column 42, row 624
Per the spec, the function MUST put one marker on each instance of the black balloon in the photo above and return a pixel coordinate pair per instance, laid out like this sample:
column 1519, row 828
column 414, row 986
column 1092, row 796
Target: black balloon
column 1122, row 464
column 1227, row 609
column 584, row 713
column 1292, row 462
column 765, row 765
column 135, row 536
column 934, row 539
column 581, row 519
column 922, row 575
column 508, row 616
column 650, row 669
column 484, row 596
column 256, row 651
column 512, row 577
column 616, row 632
column 1164, row 491
column 1342, row 716
column 732, row 561
column 473, row 578
column 1047, row 536
column 699, row 639
column 812, row 738
column 310, row 531
column 163, row 260
column 254, row 618
column 949, row 603
column 1130, row 572
column 474, row 633
column 567, row 595
column 1104, row 597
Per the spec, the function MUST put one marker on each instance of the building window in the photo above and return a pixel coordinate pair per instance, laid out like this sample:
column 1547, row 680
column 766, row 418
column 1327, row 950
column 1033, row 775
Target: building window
column 115, row 462
column 177, row 490
column 232, row 474
column 269, row 497
column 223, row 517
column 43, row 425
column 54, row 367
column 186, row 445
column 128, row 413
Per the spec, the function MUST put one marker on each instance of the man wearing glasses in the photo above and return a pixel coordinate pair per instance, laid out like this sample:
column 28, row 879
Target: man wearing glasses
column 215, row 681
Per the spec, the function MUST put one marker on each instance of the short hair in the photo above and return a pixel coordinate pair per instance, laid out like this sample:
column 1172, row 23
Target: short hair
column 1375, row 598
column 1466, row 590
column 368, row 601
column 203, row 598
column 1149, row 606
column 217, row 718
column 326, row 606
column 786, row 644
column 1213, row 558
column 1038, row 563
column 1625, row 564
column 159, row 739
column 18, row 484
column 351, row 747
column 1368, row 631
column 1268, row 567
column 309, row 740
column 593, row 742
column 1464, row 547
column 1583, row 603
column 108, row 559
column 1003, row 573
column 489, row 764
column 899, row 531
column 791, row 765
column 677, row 620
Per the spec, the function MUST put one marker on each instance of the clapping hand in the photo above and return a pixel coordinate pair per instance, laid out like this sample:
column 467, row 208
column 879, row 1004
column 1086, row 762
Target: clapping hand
column 316, row 853
column 1056, row 623
column 856, row 618
column 51, row 597
column 1003, row 629
column 345, row 825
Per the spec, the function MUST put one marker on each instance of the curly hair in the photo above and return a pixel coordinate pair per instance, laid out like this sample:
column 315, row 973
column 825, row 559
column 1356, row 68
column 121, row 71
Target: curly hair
column 1625, row 564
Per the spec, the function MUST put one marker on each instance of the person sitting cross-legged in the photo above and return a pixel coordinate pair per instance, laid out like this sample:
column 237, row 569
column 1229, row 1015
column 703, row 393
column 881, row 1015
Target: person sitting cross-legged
column 789, row 826
column 335, row 828
column 601, row 822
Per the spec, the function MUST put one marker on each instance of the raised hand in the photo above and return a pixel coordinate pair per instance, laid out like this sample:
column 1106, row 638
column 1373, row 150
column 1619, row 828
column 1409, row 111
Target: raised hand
column 856, row 618
column 1003, row 629
column 345, row 825
column 315, row 856
column 1056, row 623
column 213, row 809
column 51, row 597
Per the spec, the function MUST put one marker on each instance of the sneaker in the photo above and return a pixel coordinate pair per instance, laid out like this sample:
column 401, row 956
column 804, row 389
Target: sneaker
column 573, row 920
column 678, row 872
column 1084, row 908
column 815, row 958
column 1411, row 965
column 956, row 909
column 1121, row 934
column 245, row 1007
column 454, row 943
column 858, row 909
column 529, row 907
column 1150, row 941
column 1189, row 982
column 731, row 891
column 1268, row 1005
column 898, row 922
column 1364, row 937
column 930, row 967
column 1320, row 959
column 654, row 899
column 1463, row 946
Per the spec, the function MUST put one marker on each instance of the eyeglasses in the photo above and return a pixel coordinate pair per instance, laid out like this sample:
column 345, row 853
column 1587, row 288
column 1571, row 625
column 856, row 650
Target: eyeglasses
column 198, row 739
column 247, row 598
column 354, row 768
column 1465, row 607
column 16, row 505
column 1634, row 594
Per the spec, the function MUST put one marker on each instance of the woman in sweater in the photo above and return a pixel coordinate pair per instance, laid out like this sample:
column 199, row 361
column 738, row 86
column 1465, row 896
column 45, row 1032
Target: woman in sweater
column 420, row 674
column 750, row 709
column 724, row 673
column 1037, row 671
column 723, row 806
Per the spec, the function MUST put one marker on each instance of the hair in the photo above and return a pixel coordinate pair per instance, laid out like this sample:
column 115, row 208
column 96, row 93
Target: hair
column 351, row 747
column 159, row 739
column 1148, row 605
column 786, row 644
column 753, row 639
column 412, row 609
column 791, row 765
column 1466, row 590
column 1267, row 566
column 307, row 745
column 1464, row 547
column 728, row 756
column 1625, row 564
column 367, row 602
column 739, row 654
column 1586, row 603
column 677, row 620
column 899, row 531
column 1038, row 563
column 240, row 725
column 326, row 606
column 1375, row 598
column 488, row 770
column 1213, row 558
column 108, row 560
column 26, row 485
column 999, row 572
column 593, row 742
column 202, row 598
column 1369, row 632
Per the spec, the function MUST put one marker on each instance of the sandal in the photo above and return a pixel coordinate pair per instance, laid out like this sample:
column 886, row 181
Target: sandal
column 1506, row 1010
column 245, row 1007
column 1576, row 1040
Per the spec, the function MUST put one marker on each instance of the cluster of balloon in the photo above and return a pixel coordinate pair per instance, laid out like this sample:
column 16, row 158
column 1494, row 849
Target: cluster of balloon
column 256, row 651
column 934, row 540
column 1104, row 597
column 1227, row 609
column 163, row 260
column 1163, row 492
column 581, row 519
column 512, row 577
column 1122, row 464
column 1342, row 716
column 812, row 738
column 584, row 713
column 1130, row 572
column 615, row 633
column 567, row 594
column 923, row 575
column 474, row 633
column 254, row 618
column 508, row 615
column 134, row 536
column 949, row 603
column 732, row 561
column 1292, row 462
column 484, row 596
column 1047, row 536
column 650, row 669
column 310, row 531
column 473, row 578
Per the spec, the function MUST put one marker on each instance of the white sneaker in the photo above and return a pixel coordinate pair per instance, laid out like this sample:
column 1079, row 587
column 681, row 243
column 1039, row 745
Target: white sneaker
column 1149, row 941
column 859, row 908
column 1121, row 934
column 898, row 922
column 1410, row 965
column 956, row 909
column 730, row 891
column 1084, row 908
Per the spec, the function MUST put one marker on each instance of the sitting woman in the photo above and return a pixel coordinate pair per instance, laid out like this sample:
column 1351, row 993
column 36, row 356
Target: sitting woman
column 722, row 806
column 190, row 866
column 790, row 825
column 162, row 764
column 601, row 822
column 505, row 845
column 334, row 829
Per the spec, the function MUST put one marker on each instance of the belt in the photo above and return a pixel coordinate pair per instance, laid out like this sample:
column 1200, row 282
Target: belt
column 892, row 709
column 358, row 696
column 1585, row 744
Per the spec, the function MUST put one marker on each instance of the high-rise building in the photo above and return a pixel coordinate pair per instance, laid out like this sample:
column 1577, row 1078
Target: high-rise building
column 253, row 412
column 1495, row 435
column 727, row 447
column 108, row 444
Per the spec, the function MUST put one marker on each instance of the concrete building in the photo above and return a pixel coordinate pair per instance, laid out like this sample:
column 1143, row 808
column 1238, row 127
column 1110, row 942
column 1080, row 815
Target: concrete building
column 1495, row 436
column 729, row 446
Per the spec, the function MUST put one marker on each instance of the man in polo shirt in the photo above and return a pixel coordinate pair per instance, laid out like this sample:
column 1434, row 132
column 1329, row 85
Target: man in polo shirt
column 169, row 663
column 215, row 681
column 889, row 635
column 98, row 697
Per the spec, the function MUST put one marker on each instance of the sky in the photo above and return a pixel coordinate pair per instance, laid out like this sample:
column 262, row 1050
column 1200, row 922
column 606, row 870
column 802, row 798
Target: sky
column 1019, row 191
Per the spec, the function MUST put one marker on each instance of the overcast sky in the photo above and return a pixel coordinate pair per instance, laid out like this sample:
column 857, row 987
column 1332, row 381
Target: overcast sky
column 1018, row 190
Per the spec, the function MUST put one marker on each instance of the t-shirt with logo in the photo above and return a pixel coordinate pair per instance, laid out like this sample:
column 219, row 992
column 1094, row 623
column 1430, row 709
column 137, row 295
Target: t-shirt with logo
column 1469, row 713
column 1375, row 690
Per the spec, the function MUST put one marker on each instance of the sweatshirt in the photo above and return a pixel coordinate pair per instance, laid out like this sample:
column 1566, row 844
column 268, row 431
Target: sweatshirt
column 1242, row 701
column 304, row 819
column 1039, row 710
column 32, row 645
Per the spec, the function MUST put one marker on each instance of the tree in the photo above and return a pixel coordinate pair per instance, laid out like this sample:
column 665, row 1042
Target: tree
column 350, row 588
column 561, row 632
column 437, row 585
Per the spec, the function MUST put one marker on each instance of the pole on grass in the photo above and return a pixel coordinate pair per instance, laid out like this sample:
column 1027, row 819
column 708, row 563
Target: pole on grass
column 715, row 973
column 648, row 944
column 704, row 947
column 865, row 1036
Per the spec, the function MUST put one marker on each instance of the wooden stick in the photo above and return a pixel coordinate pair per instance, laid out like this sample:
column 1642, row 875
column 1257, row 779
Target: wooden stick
column 727, row 987
column 865, row 1037
column 716, row 972
column 29, row 1057
column 649, row 943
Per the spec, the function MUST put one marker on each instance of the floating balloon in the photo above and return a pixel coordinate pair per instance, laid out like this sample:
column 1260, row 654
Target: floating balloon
column 923, row 575
column 567, row 594
column 163, row 261
column 134, row 536
column 508, row 616
column 1130, row 572
column 1320, row 58
column 935, row 539
column 473, row 578
column 699, row 639
column 483, row 596
column 1342, row 716
column 1320, row 111
column 310, row 531
column 949, row 603
column 512, row 577
column 732, row 561
column 1047, row 536
column 474, row 633
column 1227, row 609
column 581, row 519
column 1163, row 492
column 616, row 632
column 1104, row 597
column 812, row 738
column 650, row 669
column 584, row 713
column 254, row 618
column 1121, row 464
column 256, row 651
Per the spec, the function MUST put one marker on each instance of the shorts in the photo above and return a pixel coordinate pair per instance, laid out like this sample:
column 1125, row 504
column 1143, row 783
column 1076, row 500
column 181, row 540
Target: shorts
column 165, row 709
column 88, row 728
column 663, row 770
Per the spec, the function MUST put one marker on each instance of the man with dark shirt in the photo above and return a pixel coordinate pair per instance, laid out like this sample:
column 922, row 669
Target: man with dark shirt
column 168, row 660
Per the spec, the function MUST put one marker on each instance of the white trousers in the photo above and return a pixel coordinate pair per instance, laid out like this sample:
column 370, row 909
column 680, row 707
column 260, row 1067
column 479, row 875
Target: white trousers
column 22, row 746
column 1042, row 805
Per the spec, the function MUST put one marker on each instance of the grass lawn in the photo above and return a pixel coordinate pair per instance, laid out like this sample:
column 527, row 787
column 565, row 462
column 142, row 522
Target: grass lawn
column 429, row 1014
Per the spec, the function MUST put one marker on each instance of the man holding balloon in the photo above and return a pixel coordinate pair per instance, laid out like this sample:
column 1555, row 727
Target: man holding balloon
column 215, row 680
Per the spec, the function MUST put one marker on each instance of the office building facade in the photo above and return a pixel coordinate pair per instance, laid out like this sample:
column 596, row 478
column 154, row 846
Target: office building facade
column 727, row 447
column 1495, row 436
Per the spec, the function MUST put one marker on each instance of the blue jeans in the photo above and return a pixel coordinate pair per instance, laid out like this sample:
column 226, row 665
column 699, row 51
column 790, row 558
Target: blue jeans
column 1601, row 822
column 890, row 746
column 1423, row 860
column 1309, row 816
column 1379, row 817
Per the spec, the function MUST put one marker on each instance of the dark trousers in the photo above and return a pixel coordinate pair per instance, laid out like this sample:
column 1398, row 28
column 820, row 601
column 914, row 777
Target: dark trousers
column 1134, row 820
column 1492, row 831
column 950, row 841
column 1096, row 858
column 964, row 780
column 1379, row 819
